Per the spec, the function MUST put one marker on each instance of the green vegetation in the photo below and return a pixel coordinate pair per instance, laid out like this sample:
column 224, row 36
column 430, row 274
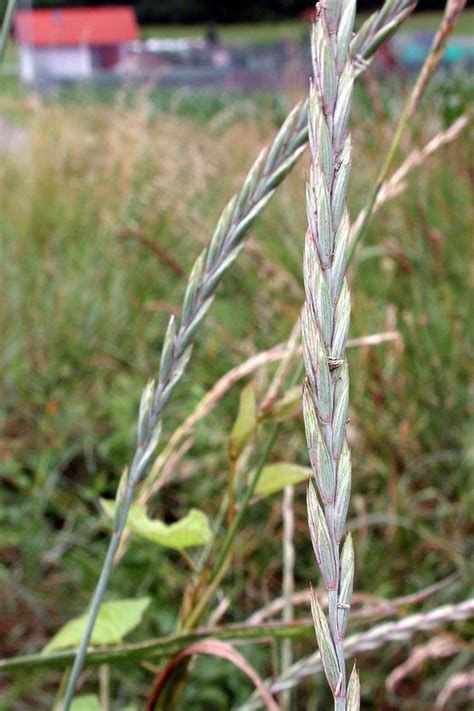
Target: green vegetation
column 97, row 173
column 101, row 211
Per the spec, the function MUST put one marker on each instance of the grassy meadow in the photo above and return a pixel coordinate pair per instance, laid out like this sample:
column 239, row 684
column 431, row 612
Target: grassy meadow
column 104, row 206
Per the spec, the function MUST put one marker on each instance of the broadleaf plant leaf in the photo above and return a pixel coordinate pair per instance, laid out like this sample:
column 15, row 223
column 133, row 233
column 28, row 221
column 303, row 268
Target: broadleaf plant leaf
column 245, row 423
column 275, row 477
column 192, row 530
column 115, row 620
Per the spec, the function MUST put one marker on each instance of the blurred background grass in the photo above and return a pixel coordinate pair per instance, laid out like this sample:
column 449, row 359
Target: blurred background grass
column 85, row 181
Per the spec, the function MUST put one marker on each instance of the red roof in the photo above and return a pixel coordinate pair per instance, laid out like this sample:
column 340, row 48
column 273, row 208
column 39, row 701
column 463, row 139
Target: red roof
column 73, row 26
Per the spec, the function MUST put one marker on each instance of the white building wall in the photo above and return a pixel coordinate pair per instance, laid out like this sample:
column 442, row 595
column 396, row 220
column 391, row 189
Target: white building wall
column 27, row 73
column 55, row 63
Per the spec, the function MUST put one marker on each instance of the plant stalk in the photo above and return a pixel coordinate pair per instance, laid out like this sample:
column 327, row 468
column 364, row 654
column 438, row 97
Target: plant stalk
column 452, row 13
column 6, row 27
column 97, row 599
column 132, row 653
column 325, row 325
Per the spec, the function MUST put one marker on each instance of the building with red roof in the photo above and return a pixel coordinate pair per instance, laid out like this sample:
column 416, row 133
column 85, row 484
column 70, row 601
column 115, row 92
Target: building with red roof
column 72, row 43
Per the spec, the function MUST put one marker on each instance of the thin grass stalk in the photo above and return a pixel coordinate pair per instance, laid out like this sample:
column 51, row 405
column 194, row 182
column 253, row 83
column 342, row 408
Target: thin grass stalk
column 373, row 606
column 417, row 157
column 393, row 186
column 268, row 171
column 6, row 27
column 288, row 586
column 325, row 325
column 225, row 550
column 287, row 358
column 451, row 15
column 158, row 648
column 372, row 639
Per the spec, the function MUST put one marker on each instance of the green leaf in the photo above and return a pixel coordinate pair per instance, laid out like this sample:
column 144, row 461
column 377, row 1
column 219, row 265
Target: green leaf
column 288, row 406
column 192, row 530
column 246, row 422
column 275, row 477
column 353, row 691
column 86, row 702
column 115, row 619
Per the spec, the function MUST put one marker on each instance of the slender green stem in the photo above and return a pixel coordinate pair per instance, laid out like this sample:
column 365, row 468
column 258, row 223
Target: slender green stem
column 387, row 164
column 288, row 583
column 98, row 597
column 6, row 27
column 221, row 563
column 452, row 13
column 225, row 552
column 157, row 648
column 217, row 525
column 165, row 646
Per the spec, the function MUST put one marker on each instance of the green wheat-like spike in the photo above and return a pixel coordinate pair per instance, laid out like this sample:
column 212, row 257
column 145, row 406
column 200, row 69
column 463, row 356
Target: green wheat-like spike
column 325, row 325
column 271, row 167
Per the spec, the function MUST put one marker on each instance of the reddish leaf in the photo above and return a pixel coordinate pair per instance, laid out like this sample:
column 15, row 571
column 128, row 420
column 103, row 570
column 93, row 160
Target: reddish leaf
column 214, row 648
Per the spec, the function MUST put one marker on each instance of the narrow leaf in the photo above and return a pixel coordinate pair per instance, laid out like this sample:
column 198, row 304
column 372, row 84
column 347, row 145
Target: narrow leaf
column 250, row 182
column 220, row 233
column 343, row 492
column 339, row 264
column 320, row 460
column 320, row 539
column 283, row 169
column 324, row 148
column 241, row 228
column 246, row 421
column 346, row 585
column 353, row 691
column 190, row 298
column 280, row 139
column 146, row 404
column 324, row 219
column 332, row 9
column 120, row 497
column 339, row 192
column 213, row 278
column 342, row 321
column 344, row 35
column 275, row 477
column 340, row 409
column 325, row 644
column 168, row 348
column 287, row 406
column 327, row 72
